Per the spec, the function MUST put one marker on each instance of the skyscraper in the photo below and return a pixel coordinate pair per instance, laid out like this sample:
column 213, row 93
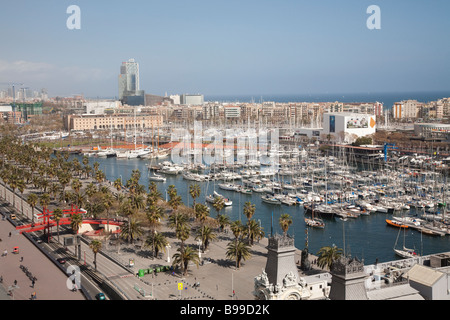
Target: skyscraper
column 128, row 79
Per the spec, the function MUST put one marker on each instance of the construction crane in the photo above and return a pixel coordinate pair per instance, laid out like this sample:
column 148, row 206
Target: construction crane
column 13, row 85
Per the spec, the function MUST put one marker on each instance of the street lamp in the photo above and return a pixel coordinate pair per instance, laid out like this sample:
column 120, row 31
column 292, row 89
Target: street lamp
column 199, row 252
column 168, row 252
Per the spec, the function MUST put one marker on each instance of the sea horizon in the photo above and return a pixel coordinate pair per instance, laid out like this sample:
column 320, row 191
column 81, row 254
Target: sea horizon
column 387, row 98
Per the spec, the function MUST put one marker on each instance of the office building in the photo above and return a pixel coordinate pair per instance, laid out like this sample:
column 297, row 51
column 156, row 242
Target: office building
column 191, row 99
column 129, row 79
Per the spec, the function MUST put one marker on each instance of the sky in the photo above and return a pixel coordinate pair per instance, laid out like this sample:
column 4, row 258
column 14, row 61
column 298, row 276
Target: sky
column 227, row 47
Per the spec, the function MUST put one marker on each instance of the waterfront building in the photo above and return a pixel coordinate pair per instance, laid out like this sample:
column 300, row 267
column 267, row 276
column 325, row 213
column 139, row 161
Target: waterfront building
column 191, row 99
column 348, row 126
column 432, row 131
column 113, row 121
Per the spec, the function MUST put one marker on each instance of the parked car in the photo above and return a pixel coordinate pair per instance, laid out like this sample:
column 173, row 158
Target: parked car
column 100, row 296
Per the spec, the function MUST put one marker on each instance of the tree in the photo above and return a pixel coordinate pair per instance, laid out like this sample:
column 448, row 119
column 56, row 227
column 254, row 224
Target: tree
column 96, row 246
column 57, row 215
column 32, row 200
column 194, row 191
column 76, row 221
column 205, row 234
column 249, row 211
column 362, row 141
column 254, row 231
column 237, row 251
column 21, row 187
column 107, row 201
column 222, row 220
column 131, row 230
column 328, row 255
column 118, row 184
column 285, row 222
column 157, row 241
column 184, row 257
column 218, row 204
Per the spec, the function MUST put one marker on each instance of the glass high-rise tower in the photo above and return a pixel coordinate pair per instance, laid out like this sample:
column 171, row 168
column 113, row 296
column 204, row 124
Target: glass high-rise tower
column 128, row 78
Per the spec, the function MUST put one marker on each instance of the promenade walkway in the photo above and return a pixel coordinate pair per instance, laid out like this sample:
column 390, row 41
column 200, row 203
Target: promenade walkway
column 51, row 282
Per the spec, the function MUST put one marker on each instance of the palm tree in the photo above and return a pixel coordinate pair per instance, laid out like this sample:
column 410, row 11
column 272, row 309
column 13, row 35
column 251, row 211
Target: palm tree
column 285, row 221
column 194, row 191
column 205, row 234
column 21, row 187
column 57, row 215
column 32, row 200
column 237, row 251
column 183, row 257
column 153, row 194
column 100, row 176
column 75, row 222
column 96, row 246
column 44, row 200
column 91, row 189
column 131, row 230
column 118, row 184
column 222, row 220
column 157, row 241
column 218, row 204
column 254, row 231
column 237, row 228
column 154, row 216
column 107, row 201
column 249, row 211
column 76, row 185
column 327, row 256
column 13, row 186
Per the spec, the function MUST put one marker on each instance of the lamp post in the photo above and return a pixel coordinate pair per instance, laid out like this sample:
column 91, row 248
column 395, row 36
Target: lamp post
column 168, row 252
column 199, row 251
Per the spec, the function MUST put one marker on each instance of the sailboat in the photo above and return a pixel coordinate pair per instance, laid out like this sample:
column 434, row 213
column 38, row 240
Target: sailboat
column 314, row 221
column 109, row 152
column 404, row 252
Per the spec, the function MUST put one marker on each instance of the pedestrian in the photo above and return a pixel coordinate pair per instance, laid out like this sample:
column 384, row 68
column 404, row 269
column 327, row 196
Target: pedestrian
column 21, row 259
column 32, row 283
column 15, row 283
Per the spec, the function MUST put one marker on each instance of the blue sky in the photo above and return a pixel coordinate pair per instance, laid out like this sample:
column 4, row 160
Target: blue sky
column 227, row 47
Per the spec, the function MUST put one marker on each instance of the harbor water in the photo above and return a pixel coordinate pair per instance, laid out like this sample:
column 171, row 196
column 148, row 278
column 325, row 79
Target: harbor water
column 366, row 237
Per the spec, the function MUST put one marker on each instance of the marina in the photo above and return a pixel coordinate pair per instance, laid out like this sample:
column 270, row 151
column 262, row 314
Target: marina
column 341, row 195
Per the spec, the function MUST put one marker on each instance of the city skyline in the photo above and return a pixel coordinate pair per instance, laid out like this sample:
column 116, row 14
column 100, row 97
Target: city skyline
column 232, row 48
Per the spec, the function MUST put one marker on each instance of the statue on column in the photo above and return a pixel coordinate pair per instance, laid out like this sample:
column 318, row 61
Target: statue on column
column 305, row 263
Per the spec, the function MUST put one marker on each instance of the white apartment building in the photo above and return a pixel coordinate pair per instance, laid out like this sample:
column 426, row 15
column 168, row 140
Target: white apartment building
column 232, row 111
column 406, row 109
